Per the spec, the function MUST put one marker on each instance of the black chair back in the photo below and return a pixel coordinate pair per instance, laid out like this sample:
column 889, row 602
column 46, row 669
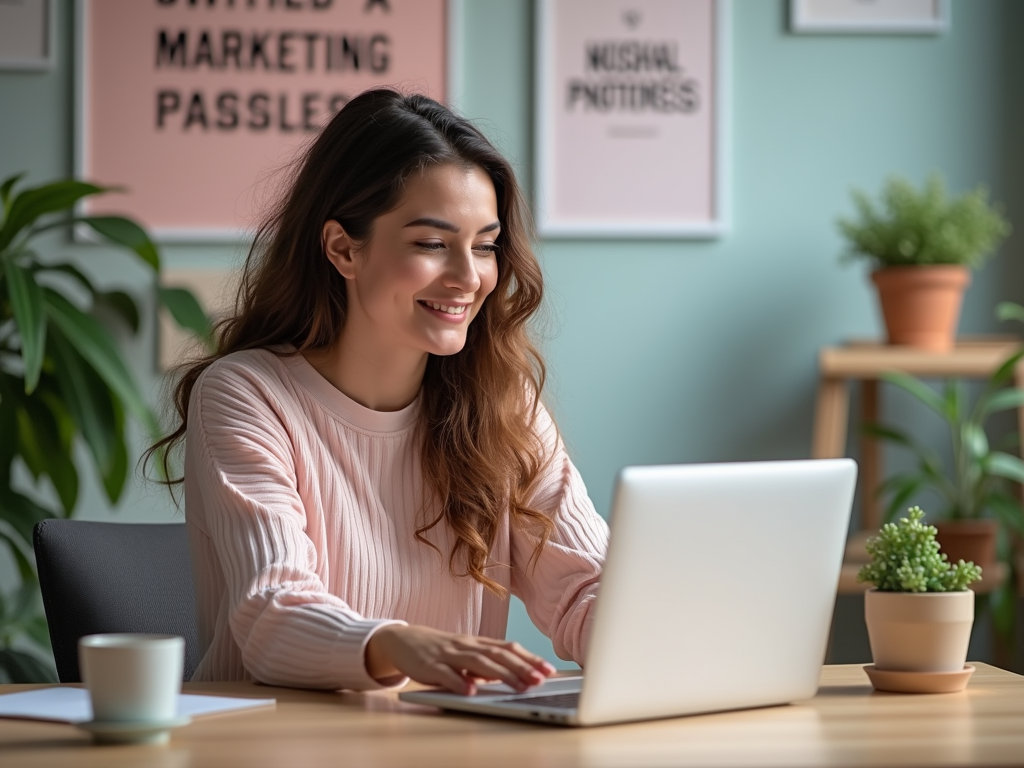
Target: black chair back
column 114, row 577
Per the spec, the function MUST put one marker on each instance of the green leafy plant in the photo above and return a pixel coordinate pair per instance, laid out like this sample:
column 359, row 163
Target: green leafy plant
column 919, row 227
column 978, row 482
column 62, row 381
column 905, row 557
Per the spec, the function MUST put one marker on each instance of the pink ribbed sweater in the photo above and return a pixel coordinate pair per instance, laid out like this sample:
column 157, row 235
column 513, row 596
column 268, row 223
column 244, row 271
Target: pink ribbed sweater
column 301, row 506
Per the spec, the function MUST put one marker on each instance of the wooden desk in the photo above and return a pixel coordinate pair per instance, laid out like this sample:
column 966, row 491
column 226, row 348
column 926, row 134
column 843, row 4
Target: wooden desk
column 845, row 724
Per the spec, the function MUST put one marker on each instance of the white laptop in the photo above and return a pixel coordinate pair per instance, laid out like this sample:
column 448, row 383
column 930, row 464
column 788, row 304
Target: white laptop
column 717, row 594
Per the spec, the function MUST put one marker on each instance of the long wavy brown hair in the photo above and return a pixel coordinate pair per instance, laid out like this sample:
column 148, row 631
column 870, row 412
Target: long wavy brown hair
column 481, row 454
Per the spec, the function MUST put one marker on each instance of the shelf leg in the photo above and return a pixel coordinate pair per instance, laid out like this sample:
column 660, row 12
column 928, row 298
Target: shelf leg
column 870, row 459
column 831, row 416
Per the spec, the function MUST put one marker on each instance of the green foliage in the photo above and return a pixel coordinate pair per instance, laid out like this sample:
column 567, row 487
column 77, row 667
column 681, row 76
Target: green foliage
column 905, row 557
column 979, row 481
column 916, row 227
column 62, row 380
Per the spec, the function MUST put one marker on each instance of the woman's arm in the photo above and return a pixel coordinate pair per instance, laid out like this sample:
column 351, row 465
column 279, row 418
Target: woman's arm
column 559, row 589
column 290, row 630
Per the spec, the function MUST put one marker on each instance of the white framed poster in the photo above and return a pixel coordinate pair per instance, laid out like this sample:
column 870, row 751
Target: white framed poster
column 631, row 118
column 897, row 17
column 26, row 34
column 194, row 107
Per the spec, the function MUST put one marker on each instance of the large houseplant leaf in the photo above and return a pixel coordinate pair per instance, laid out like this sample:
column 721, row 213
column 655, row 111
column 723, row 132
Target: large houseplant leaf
column 127, row 233
column 21, row 514
column 186, row 311
column 1005, row 371
column 1008, row 510
column 46, row 451
column 88, row 400
column 918, row 389
column 1004, row 465
column 119, row 302
column 5, row 190
column 1002, row 400
column 26, row 299
column 95, row 345
column 26, row 207
column 902, row 487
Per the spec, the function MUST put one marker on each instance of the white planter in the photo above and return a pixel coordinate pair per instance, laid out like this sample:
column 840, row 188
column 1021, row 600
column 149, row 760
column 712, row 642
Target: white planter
column 919, row 631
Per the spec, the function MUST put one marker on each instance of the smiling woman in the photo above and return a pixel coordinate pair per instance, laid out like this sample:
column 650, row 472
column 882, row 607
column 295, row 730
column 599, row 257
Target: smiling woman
column 415, row 286
column 369, row 470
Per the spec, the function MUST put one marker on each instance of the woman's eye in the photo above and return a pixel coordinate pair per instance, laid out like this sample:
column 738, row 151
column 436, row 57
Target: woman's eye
column 430, row 246
column 486, row 247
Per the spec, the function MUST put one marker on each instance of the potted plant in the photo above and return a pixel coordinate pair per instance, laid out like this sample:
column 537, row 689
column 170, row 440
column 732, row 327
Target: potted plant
column 921, row 246
column 63, row 381
column 977, row 488
column 920, row 613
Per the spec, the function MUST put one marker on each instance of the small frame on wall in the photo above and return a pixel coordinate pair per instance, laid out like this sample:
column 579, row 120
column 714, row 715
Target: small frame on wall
column 26, row 37
column 631, row 118
column 895, row 17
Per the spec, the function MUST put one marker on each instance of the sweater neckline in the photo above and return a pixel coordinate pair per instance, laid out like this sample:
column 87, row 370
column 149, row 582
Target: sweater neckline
column 344, row 406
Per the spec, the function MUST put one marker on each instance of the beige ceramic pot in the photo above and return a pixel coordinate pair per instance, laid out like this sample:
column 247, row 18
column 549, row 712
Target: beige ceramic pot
column 921, row 305
column 919, row 631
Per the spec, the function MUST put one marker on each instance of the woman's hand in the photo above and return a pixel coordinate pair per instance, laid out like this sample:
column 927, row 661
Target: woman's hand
column 455, row 662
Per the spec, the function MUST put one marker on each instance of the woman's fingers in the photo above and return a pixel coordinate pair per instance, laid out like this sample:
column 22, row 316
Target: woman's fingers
column 542, row 665
column 453, row 661
column 514, row 664
column 445, row 676
column 483, row 665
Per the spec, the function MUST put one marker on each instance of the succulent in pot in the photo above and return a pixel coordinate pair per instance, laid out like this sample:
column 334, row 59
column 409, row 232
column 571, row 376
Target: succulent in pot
column 920, row 613
column 922, row 245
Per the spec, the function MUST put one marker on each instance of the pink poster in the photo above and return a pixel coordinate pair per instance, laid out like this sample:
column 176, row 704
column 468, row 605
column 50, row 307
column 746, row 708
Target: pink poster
column 630, row 118
column 194, row 106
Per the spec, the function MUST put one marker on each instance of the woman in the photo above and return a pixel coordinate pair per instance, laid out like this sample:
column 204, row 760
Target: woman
column 369, row 472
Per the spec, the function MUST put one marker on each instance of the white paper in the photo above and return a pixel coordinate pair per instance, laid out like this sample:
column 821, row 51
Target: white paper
column 72, row 705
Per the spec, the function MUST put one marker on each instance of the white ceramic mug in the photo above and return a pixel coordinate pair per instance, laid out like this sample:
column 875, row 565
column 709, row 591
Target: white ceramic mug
column 132, row 678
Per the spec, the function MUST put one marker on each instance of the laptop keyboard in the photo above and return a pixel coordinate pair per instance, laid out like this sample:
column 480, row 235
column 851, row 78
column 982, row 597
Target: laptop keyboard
column 556, row 700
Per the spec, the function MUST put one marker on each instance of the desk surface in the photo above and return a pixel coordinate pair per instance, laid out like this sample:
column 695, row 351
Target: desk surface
column 845, row 724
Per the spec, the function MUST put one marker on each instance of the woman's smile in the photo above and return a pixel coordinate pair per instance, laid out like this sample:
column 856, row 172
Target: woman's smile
column 450, row 313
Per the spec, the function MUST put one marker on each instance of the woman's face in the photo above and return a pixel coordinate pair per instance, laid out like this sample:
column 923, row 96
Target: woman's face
column 422, row 276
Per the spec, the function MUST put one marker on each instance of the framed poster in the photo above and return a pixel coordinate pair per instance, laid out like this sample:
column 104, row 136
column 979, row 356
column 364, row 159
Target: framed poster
column 869, row 16
column 195, row 107
column 631, row 118
column 26, row 34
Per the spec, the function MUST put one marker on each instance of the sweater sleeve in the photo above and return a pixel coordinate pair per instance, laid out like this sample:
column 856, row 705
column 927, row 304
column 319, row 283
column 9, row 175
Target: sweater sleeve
column 559, row 589
column 290, row 630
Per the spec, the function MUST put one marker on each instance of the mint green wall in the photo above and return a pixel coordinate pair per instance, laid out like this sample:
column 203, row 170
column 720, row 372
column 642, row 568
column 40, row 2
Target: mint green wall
column 673, row 351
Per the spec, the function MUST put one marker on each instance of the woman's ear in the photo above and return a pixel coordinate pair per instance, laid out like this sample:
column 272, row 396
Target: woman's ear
column 339, row 248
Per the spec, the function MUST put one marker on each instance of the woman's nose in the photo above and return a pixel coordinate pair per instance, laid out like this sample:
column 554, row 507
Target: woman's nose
column 462, row 271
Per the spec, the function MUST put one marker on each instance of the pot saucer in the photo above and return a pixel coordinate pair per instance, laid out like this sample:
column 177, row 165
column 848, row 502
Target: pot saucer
column 919, row 682
column 146, row 732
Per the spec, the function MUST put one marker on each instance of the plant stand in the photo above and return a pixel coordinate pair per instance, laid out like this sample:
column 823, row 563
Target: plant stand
column 865, row 361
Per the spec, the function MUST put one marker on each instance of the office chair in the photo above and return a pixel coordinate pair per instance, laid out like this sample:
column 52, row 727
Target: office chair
column 114, row 577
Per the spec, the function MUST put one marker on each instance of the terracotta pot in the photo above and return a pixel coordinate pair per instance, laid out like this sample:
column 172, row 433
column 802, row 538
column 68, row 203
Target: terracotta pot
column 973, row 541
column 921, row 305
column 919, row 631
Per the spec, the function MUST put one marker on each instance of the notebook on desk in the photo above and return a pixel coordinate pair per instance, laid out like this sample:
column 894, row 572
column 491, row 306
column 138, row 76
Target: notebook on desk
column 717, row 594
